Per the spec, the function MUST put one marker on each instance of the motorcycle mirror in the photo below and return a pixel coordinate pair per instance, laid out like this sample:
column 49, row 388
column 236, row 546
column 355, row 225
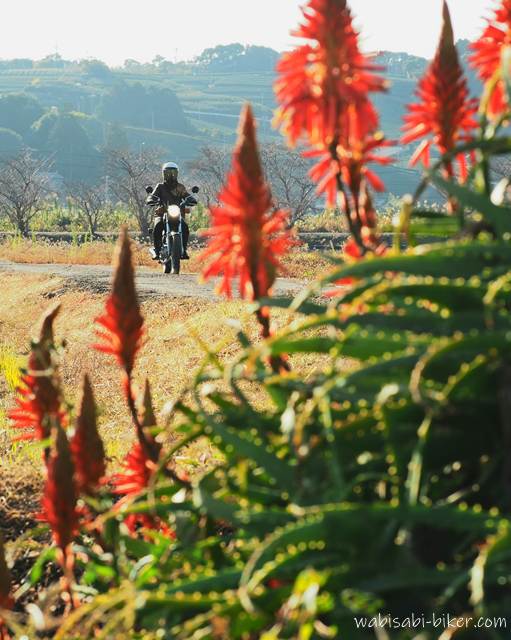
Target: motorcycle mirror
column 149, row 189
column 195, row 189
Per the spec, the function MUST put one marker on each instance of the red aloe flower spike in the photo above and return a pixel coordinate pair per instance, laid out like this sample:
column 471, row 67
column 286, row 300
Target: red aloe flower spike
column 39, row 402
column 123, row 327
column 46, row 334
column 146, row 416
column 138, row 472
column 122, row 323
column 246, row 237
column 445, row 114
column 318, row 80
column 347, row 163
column 323, row 92
column 86, row 446
column 138, row 469
column 487, row 57
column 59, row 497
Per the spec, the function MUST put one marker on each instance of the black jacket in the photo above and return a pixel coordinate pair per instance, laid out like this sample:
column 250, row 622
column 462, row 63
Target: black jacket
column 164, row 195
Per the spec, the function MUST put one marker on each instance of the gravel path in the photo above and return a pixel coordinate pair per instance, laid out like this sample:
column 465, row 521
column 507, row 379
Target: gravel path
column 149, row 282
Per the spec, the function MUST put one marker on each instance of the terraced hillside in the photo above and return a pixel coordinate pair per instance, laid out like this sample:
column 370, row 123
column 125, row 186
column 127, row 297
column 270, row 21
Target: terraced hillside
column 181, row 107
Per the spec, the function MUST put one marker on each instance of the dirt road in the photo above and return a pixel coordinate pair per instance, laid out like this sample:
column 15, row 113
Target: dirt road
column 149, row 282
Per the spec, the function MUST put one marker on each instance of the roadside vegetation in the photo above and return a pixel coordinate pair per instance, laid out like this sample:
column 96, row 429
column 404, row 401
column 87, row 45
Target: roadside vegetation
column 299, row 263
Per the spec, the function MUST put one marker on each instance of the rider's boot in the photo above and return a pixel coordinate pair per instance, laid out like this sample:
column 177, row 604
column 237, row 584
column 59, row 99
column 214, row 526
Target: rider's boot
column 155, row 255
column 185, row 256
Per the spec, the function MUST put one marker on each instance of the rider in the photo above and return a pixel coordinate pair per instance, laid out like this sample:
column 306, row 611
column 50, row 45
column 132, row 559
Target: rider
column 166, row 193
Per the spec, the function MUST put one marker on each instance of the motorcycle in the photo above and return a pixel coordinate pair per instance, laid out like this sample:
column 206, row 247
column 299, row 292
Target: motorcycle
column 172, row 239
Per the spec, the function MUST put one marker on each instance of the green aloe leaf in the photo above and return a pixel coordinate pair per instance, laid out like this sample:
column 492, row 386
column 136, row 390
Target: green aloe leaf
column 498, row 217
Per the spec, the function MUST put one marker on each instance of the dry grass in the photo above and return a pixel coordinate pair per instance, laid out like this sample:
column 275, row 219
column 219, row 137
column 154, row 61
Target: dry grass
column 300, row 263
column 30, row 252
column 169, row 358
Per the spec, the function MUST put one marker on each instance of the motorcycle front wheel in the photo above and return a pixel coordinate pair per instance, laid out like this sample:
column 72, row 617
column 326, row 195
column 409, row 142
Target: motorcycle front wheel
column 176, row 254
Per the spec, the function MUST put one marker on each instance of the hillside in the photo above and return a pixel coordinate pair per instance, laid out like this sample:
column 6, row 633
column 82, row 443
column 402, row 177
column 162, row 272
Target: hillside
column 75, row 110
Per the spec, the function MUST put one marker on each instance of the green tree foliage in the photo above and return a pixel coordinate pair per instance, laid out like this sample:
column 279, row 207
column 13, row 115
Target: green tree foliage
column 18, row 111
column 51, row 61
column 17, row 63
column 11, row 143
column 61, row 134
column 97, row 70
column 238, row 57
column 147, row 107
column 95, row 129
column 115, row 138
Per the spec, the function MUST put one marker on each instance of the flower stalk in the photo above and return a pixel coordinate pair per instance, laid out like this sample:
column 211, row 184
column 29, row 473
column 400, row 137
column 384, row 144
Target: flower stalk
column 323, row 93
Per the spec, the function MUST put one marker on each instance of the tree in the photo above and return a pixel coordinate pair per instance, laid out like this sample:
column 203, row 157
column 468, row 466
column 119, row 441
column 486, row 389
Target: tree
column 97, row 69
column 51, row 61
column 146, row 107
column 90, row 202
column 288, row 174
column 238, row 57
column 24, row 185
column 209, row 170
column 11, row 142
column 130, row 173
column 286, row 171
column 115, row 137
column 62, row 134
column 18, row 111
column 131, row 64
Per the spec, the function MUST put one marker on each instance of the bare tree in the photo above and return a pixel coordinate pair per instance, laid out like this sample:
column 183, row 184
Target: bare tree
column 91, row 203
column 209, row 170
column 130, row 172
column 24, row 186
column 286, row 171
column 288, row 174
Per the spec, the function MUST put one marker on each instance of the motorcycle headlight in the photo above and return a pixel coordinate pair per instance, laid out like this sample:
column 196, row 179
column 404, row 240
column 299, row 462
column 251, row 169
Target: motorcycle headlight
column 173, row 211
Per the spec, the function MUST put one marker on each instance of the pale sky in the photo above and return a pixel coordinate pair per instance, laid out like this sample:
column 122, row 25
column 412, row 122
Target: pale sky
column 113, row 30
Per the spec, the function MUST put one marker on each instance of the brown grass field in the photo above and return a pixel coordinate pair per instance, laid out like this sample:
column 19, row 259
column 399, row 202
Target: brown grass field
column 170, row 356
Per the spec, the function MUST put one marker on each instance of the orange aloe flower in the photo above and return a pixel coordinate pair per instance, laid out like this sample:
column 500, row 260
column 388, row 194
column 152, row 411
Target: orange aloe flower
column 349, row 165
column 487, row 56
column 323, row 91
column 59, row 497
column 445, row 114
column 39, row 403
column 122, row 323
column 138, row 470
column 86, row 446
column 246, row 236
column 318, row 80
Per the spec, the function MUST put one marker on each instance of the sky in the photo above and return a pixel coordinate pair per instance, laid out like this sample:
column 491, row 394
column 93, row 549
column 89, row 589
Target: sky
column 113, row 30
